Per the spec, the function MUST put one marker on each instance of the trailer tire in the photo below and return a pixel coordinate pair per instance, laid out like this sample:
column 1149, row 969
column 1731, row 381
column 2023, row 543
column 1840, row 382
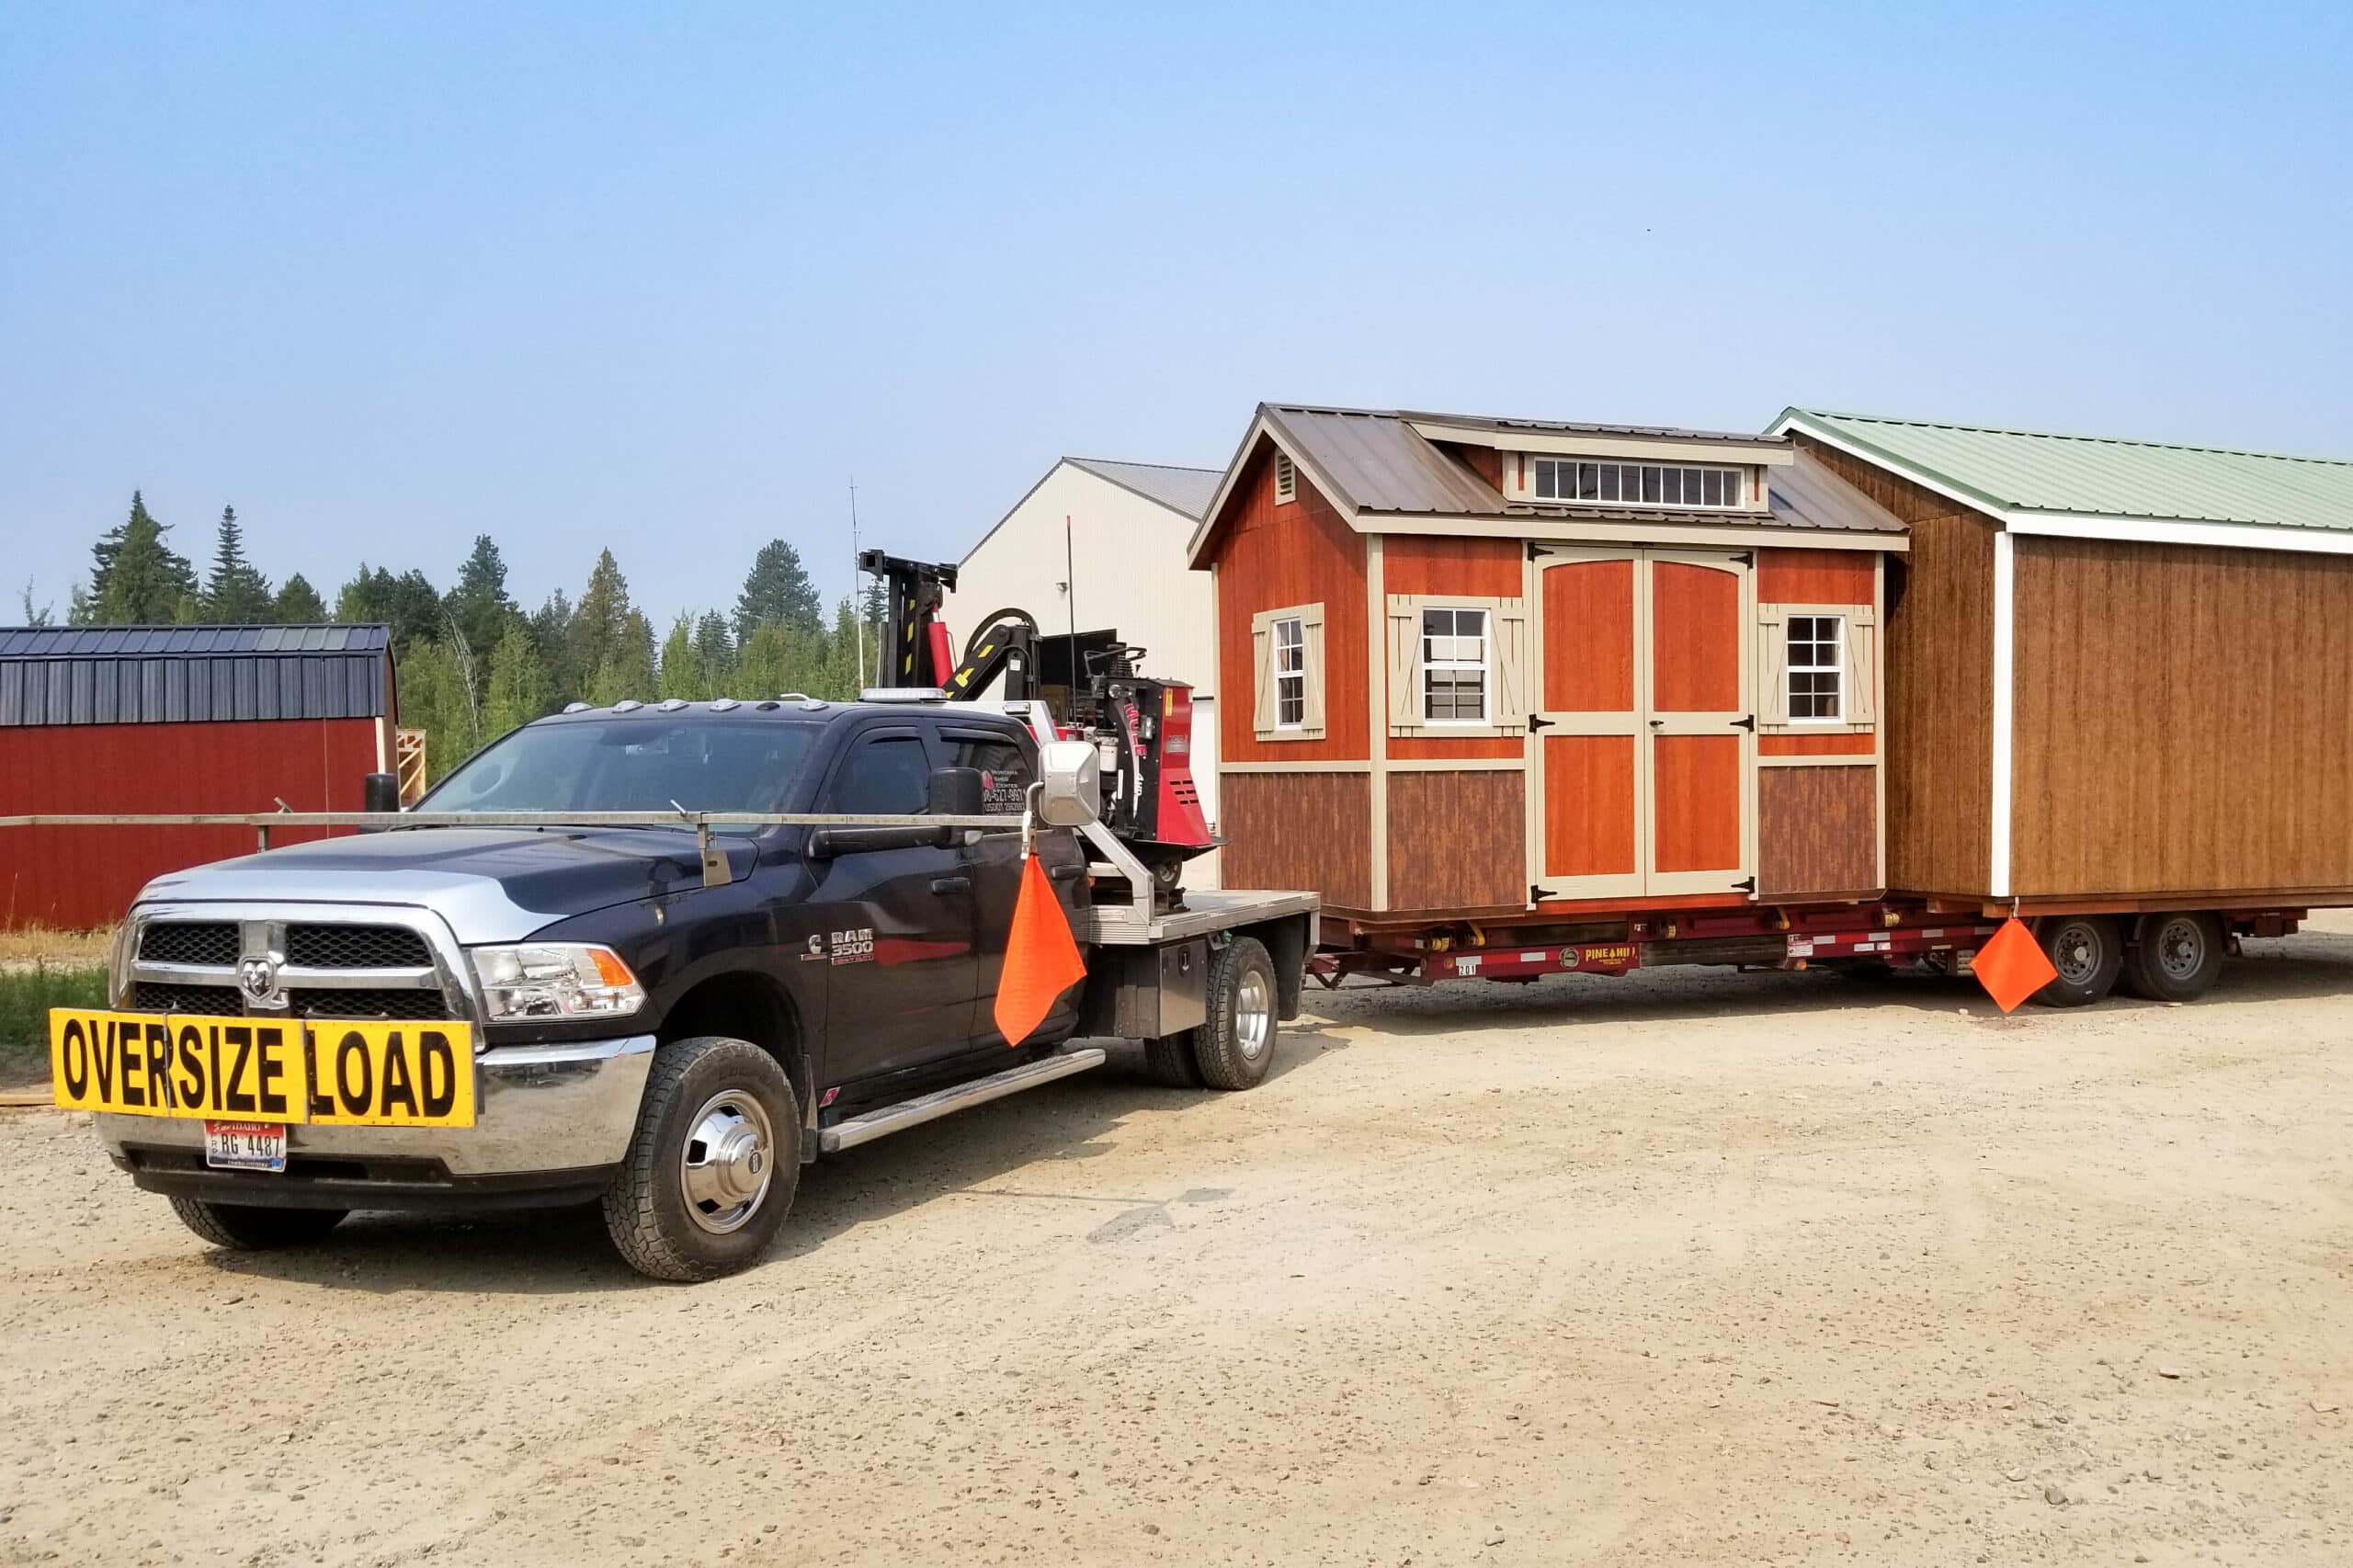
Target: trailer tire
column 712, row 1167
column 1236, row 1046
column 2174, row 957
column 2087, row 950
column 248, row 1227
column 1169, row 1062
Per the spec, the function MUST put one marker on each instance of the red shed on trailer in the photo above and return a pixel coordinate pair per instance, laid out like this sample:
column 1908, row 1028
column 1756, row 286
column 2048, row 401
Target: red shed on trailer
column 122, row 719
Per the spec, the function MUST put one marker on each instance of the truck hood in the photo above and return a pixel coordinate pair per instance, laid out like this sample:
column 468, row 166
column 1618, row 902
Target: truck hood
column 493, row 884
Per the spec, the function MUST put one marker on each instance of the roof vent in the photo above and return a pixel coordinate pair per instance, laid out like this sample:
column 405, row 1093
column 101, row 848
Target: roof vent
column 628, row 705
column 575, row 708
column 725, row 704
column 1286, row 479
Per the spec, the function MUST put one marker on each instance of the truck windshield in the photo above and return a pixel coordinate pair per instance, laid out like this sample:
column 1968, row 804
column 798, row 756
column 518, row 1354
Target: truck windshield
column 631, row 764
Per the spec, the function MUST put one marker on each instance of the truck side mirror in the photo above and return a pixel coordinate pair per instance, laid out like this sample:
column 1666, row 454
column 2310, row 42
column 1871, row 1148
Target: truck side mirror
column 380, row 792
column 1072, row 774
column 955, row 792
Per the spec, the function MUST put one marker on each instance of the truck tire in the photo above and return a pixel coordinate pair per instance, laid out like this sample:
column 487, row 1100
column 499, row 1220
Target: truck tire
column 713, row 1165
column 1236, row 1046
column 246, row 1227
column 1169, row 1063
column 2087, row 950
column 2173, row 957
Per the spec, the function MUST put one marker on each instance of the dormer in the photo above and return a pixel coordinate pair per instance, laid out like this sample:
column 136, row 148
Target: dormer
column 1613, row 467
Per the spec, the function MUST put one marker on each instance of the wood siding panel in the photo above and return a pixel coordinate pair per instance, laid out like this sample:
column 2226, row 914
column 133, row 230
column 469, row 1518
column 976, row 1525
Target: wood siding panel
column 1695, row 803
column 1694, row 625
column 1298, row 830
column 2184, row 719
column 1457, row 841
column 1937, row 724
column 1590, row 637
column 1275, row 556
column 1815, row 576
column 1816, row 830
column 1477, row 568
column 1816, row 745
column 1588, row 805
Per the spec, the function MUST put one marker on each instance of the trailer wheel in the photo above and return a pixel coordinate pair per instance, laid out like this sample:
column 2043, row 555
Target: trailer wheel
column 2173, row 958
column 1237, row 1045
column 713, row 1164
column 248, row 1227
column 2087, row 950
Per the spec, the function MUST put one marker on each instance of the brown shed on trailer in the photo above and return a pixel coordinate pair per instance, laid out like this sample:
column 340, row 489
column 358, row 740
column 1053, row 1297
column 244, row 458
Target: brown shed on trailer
column 1506, row 670
column 2119, row 673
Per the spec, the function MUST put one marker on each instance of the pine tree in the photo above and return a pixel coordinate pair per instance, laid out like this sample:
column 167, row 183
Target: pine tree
column 407, row 603
column 299, row 603
column 433, row 698
column 838, row 680
column 715, row 648
column 600, row 626
column 628, row 667
column 236, row 594
column 479, row 603
column 682, row 671
column 777, row 589
column 764, row 664
column 135, row 578
column 37, row 614
column 518, row 682
column 551, row 636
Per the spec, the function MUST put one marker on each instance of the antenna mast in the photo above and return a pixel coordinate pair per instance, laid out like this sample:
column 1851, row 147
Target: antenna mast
column 857, row 589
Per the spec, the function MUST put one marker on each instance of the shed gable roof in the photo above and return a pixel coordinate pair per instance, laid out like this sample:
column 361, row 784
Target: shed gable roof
column 2017, row 474
column 148, row 675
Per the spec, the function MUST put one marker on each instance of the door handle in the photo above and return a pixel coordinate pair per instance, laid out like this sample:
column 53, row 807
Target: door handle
column 1658, row 723
column 951, row 884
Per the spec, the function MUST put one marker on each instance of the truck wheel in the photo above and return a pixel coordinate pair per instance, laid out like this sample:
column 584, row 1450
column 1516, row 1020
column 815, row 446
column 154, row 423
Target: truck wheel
column 247, row 1227
column 2087, row 950
column 1169, row 1063
column 713, row 1164
column 1236, row 1046
column 2173, row 958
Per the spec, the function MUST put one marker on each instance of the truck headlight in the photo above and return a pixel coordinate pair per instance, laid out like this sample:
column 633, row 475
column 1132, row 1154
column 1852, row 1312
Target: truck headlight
column 555, row 980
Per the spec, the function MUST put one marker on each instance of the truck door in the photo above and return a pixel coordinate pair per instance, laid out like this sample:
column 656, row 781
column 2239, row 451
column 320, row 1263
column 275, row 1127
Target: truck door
column 898, row 922
column 1007, row 770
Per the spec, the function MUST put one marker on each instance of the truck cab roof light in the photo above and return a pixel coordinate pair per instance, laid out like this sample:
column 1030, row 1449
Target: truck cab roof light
column 903, row 694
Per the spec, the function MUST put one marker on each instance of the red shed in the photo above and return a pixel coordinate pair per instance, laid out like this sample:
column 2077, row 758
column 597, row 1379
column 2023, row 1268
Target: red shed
column 174, row 719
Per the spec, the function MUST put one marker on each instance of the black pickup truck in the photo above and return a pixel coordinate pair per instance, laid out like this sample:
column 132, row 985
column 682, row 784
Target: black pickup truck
column 668, row 1019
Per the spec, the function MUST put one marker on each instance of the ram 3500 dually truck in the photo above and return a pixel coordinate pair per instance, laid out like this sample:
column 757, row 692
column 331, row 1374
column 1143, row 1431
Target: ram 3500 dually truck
column 669, row 1017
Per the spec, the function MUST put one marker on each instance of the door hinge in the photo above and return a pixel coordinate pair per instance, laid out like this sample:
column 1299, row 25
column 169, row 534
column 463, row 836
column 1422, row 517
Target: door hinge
column 1537, row 895
column 1747, row 886
column 1536, row 724
column 1745, row 722
column 1534, row 549
column 1746, row 559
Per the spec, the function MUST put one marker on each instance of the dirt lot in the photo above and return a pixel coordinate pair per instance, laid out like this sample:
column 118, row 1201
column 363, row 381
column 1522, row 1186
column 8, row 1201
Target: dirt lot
column 1688, row 1268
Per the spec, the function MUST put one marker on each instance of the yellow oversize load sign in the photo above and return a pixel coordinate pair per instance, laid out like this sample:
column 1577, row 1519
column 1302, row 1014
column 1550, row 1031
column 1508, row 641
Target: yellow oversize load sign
column 330, row 1073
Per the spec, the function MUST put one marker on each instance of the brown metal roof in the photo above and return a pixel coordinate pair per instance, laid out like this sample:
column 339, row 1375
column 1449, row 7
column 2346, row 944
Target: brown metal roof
column 1571, row 427
column 1377, row 463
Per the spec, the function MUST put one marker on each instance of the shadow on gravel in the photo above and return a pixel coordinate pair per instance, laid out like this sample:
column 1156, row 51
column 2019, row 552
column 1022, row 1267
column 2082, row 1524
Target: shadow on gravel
column 565, row 1251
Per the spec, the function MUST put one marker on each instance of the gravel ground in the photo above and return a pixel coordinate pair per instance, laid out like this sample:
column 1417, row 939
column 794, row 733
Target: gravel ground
column 1690, row 1268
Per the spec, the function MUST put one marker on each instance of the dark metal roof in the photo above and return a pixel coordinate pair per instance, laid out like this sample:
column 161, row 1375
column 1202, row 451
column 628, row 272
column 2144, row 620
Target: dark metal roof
column 172, row 674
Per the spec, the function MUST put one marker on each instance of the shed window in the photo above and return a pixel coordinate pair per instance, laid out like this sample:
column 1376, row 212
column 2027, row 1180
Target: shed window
column 1817, row 668
column 1454, row 667
column 1291, row 672
column 1639, row 484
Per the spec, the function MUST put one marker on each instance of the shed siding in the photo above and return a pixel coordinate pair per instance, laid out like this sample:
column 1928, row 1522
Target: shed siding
column 1275, row 556
column 1457, row 841
column 79, row 876
column 1299, row 830
column 1816, row 830
column 2183, row 721
column 1937, row 727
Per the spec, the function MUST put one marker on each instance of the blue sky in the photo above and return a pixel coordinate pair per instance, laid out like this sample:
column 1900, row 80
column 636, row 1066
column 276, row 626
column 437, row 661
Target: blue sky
column 665, row 278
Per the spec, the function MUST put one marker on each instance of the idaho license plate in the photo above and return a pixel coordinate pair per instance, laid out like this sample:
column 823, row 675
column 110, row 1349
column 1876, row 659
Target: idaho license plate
column 245, row 1145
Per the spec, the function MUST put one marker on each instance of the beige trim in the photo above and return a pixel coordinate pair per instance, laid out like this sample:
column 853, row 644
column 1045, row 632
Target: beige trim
column 1508, row 694
column 1878, row 674
column 1726, row 535
column 1264, row 703
column 1827, row 759
column 1303, row 766
column 1376, row 671
column 1648, row 448
column 1772, row 694
column 1457, row 764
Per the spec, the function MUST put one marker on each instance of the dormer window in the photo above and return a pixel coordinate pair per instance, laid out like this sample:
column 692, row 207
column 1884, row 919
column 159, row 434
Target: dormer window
column 1640, row 484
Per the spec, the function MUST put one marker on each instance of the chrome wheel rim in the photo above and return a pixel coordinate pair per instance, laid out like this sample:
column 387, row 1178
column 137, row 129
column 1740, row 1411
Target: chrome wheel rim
column 727, row 1162
column 1253, row 1014
column 2181, row 948
column 2076, row 953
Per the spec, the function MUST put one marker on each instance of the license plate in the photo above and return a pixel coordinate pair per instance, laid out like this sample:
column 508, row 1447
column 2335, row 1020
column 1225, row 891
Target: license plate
column 238, row 1069
column 245, row 1145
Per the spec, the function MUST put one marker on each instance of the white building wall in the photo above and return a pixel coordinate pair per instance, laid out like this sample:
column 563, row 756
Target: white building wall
column 1127, row 556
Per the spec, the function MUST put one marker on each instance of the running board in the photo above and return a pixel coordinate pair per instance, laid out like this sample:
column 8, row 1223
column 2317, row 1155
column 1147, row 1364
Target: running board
column 898, row 1118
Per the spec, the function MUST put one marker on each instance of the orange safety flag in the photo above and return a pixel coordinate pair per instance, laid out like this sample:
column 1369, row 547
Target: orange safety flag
column 2013, row 966
column 1042, row 959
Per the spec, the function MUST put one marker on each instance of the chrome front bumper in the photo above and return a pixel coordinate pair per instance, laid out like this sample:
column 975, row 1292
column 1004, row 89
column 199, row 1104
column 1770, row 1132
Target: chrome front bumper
column 540, row 1107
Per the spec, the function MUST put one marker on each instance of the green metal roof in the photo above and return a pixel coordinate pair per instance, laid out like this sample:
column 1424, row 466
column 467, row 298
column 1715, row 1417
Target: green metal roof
column 2024, row 471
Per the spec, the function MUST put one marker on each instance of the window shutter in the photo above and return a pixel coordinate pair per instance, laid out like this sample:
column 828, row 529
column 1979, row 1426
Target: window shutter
column 1511, row 701
column 1262, row 677
column 1311, row 636
column 1405, row 664
column 1861, row 639
column 1772, row 666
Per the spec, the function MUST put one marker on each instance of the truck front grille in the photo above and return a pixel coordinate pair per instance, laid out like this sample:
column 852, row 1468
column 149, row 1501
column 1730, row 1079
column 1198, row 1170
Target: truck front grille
column 365, row 1004
column 157, row 997
column 346, row 966
column 213, row 942
column 356, row 947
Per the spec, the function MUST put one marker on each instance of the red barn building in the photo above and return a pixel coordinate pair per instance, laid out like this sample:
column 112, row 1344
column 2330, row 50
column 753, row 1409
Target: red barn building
column 174, row 719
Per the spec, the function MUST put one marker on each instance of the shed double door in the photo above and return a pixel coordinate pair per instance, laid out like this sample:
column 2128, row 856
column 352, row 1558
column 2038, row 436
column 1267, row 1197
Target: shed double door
column 1643, row 746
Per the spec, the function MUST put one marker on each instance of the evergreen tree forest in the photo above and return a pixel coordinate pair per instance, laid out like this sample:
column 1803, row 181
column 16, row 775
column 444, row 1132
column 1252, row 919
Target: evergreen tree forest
column 473, row 662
